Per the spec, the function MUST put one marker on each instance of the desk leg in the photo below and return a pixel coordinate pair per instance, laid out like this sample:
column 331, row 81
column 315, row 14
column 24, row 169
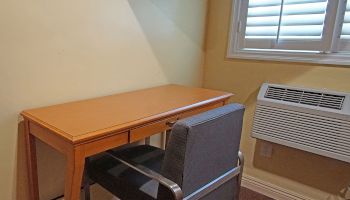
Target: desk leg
column 74, row 174
column 165, row 138
column 31, row 162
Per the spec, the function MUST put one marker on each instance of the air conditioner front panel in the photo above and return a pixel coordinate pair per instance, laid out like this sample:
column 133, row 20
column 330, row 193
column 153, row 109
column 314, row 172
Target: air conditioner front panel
column 317, row 134
column 312, row 120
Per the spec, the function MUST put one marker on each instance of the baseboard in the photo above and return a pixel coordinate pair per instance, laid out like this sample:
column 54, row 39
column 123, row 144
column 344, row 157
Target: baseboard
column 270, row 190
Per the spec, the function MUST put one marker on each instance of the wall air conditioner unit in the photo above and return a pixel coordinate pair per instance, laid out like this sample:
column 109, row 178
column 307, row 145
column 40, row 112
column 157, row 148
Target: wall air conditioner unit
column 316, row 121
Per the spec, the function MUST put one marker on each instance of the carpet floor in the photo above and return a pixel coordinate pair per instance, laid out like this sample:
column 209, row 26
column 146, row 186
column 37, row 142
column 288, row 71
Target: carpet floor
column 247, row 194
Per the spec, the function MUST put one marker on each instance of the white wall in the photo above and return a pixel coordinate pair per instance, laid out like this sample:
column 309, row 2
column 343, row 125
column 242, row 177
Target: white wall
column 58, row 51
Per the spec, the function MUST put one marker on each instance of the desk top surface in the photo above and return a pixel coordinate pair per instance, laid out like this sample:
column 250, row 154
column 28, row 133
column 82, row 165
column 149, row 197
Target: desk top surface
column 84, row 119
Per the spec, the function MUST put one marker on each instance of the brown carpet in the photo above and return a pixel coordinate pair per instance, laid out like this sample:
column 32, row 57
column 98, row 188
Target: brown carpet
column 247, row 194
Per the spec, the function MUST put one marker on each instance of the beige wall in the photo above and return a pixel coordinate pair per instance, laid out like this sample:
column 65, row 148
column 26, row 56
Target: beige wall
column 304, row 173
column 58, row 51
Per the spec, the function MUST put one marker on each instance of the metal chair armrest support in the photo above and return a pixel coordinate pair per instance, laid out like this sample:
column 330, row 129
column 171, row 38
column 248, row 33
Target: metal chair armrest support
column 239, row 180
column 175, row 189
column 172, row 186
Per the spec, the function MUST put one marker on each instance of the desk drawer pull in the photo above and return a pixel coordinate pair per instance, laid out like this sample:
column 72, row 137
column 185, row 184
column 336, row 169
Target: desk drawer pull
column 171, row 123
column 152, row 128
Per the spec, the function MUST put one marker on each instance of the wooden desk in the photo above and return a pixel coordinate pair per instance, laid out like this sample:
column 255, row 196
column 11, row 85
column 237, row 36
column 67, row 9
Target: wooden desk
column 84, row 128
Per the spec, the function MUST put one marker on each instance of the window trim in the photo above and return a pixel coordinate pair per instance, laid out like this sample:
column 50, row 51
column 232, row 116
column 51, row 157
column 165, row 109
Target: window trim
column 235, row 39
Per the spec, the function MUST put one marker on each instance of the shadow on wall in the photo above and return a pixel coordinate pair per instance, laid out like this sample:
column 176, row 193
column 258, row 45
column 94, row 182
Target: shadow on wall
column 244, row 78
column 49, row 160
column 170, row 26
column 304, row 167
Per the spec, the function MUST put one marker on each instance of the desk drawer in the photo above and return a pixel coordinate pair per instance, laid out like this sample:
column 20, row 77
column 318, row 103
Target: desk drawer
column 200, row 110
column 106, row 143
column 151, row 129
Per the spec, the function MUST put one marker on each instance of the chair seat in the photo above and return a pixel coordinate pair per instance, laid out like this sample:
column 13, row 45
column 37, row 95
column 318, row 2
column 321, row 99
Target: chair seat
column 124, row 182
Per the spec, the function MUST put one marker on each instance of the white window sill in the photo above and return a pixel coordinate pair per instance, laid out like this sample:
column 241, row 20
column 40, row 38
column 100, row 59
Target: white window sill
column 303, row 57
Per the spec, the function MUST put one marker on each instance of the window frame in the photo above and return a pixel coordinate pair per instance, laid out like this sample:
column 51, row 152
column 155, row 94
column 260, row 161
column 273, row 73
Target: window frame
column 329, row 55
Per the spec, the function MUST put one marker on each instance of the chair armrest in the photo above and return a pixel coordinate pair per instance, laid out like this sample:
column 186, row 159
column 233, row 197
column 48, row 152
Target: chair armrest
column 172, row 186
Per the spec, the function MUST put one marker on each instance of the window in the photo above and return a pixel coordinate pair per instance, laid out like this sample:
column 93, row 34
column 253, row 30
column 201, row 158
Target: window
column 293, row 30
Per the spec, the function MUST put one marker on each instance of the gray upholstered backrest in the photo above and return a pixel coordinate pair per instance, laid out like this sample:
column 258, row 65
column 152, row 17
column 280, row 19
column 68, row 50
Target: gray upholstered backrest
column 203, row 147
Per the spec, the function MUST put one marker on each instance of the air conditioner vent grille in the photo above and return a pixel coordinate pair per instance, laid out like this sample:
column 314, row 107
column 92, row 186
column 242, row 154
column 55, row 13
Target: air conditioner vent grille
column 311, row 98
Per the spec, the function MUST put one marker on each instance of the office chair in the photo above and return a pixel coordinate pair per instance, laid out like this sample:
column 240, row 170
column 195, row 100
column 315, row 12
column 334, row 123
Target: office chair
column 201, row 161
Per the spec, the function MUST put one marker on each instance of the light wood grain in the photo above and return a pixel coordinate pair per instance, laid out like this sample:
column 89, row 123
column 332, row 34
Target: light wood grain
column 104, row 115
column 50, row 138
column 101, row 145
column 200, row 110
column 31, row 162
column 74, row 173
column 150, row 129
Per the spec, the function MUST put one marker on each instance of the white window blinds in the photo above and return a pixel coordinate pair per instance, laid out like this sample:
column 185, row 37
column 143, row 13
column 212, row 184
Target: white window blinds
column 345, row 33
column 297, row 19
column 344, row 41
column 285, row 24
column 294, row 30
column 263, row 19
column 303, row 19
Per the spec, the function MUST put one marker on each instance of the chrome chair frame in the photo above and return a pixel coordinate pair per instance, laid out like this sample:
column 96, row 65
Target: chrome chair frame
column 175, row 189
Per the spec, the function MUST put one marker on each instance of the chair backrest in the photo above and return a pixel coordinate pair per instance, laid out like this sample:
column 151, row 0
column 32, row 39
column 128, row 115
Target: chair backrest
column 202, row 148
